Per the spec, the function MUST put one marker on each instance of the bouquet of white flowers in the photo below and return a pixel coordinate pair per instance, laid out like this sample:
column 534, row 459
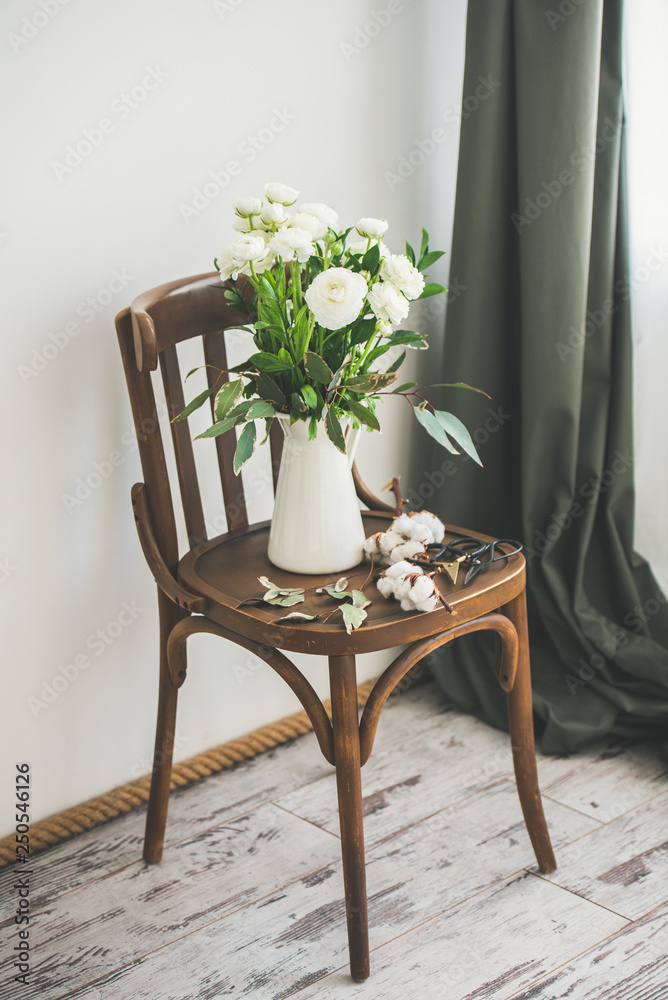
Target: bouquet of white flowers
column 323, row 307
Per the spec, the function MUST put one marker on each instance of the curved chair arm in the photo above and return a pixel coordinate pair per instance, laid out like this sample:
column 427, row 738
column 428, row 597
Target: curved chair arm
column 365, row 494
column 157, row 565
column 505, row 668
column 285, row 668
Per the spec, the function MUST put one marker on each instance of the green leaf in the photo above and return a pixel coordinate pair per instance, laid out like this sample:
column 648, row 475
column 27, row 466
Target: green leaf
column 371, row 258
column 430, row 258
column 363, row 414
column 410, row 253
column 362, row 330
column 266, row 362
column 352, row 616
column 369, row 383
column 334, row 431
column 398, row 363
column 285, row 600
column 310, row 396
column 298, row 403
column 194, row 404
column 404, row 386
column 221, row 427
column 431, row 288
column 424, row 247
column 260, row 409
column 228, row 397
column 458, row 385
column 360, row 600
column 296, row 615
column 458, row 432
column 267, row 388
column 245, row 447
column 409, row 338
column 432, row 426
column 317, row 369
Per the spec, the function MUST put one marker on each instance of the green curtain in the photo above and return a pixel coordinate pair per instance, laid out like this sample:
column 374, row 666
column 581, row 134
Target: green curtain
column 543, row 325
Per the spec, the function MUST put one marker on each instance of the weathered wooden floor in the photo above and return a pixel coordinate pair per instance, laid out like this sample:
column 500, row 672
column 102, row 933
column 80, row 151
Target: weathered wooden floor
column 248, row 898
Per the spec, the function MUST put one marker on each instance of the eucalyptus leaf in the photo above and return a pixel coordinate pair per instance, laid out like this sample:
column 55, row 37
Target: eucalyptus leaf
column 369, row 383
column 434, row 428
column 458, row 432
column 404, row 386
column 363, row 414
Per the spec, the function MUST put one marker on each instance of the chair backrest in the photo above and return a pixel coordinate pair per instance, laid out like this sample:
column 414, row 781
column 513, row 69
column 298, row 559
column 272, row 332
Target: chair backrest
column 149, row 333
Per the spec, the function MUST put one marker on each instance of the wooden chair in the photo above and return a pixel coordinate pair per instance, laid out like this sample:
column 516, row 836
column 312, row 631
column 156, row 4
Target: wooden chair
column 201, row 590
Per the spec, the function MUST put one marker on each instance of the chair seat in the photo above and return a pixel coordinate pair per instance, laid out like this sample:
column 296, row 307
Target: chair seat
column 225, row 571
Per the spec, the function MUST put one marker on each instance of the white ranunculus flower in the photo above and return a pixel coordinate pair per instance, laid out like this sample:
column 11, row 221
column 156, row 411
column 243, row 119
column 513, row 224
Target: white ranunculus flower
column 322, row 212
column 227, row 264
column 274, row 215
column 311, row 224
column 372, row 228
column 387, row 302
column 281, row 193
column 292, row 242
column 335, row 297
column 249, row 247
column 398, row 269
column 248, row 206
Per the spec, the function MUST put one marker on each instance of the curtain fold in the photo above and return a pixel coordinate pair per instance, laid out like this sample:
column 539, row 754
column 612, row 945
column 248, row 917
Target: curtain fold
column 540, row 243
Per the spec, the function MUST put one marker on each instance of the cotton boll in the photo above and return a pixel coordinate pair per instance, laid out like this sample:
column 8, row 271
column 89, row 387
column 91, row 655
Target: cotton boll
column 430, row 604
column 389, row 541
column 371, row 546
column 402, row 525
column 432, row 523
column 409, row 550
column 422, row 588
column 386, row 587
column 400, row 569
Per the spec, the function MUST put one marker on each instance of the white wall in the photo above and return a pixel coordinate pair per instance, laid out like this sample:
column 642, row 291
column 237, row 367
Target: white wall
column 79, row 243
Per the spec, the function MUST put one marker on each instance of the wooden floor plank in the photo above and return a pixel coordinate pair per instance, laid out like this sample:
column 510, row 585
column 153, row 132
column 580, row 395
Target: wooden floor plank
column 220, row 797
column 630, row 965
column 487, row 948
column 85, row 932
column 612, row 777
column 622, row 865
column 412, row 875
column 431, row 770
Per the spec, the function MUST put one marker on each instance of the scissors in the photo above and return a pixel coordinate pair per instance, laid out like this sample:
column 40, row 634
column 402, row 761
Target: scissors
column 475, row 553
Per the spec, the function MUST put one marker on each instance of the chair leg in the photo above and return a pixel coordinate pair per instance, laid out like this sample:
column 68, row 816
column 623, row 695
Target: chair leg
column 343, row 690
column 520, row 717
column 158, row 801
